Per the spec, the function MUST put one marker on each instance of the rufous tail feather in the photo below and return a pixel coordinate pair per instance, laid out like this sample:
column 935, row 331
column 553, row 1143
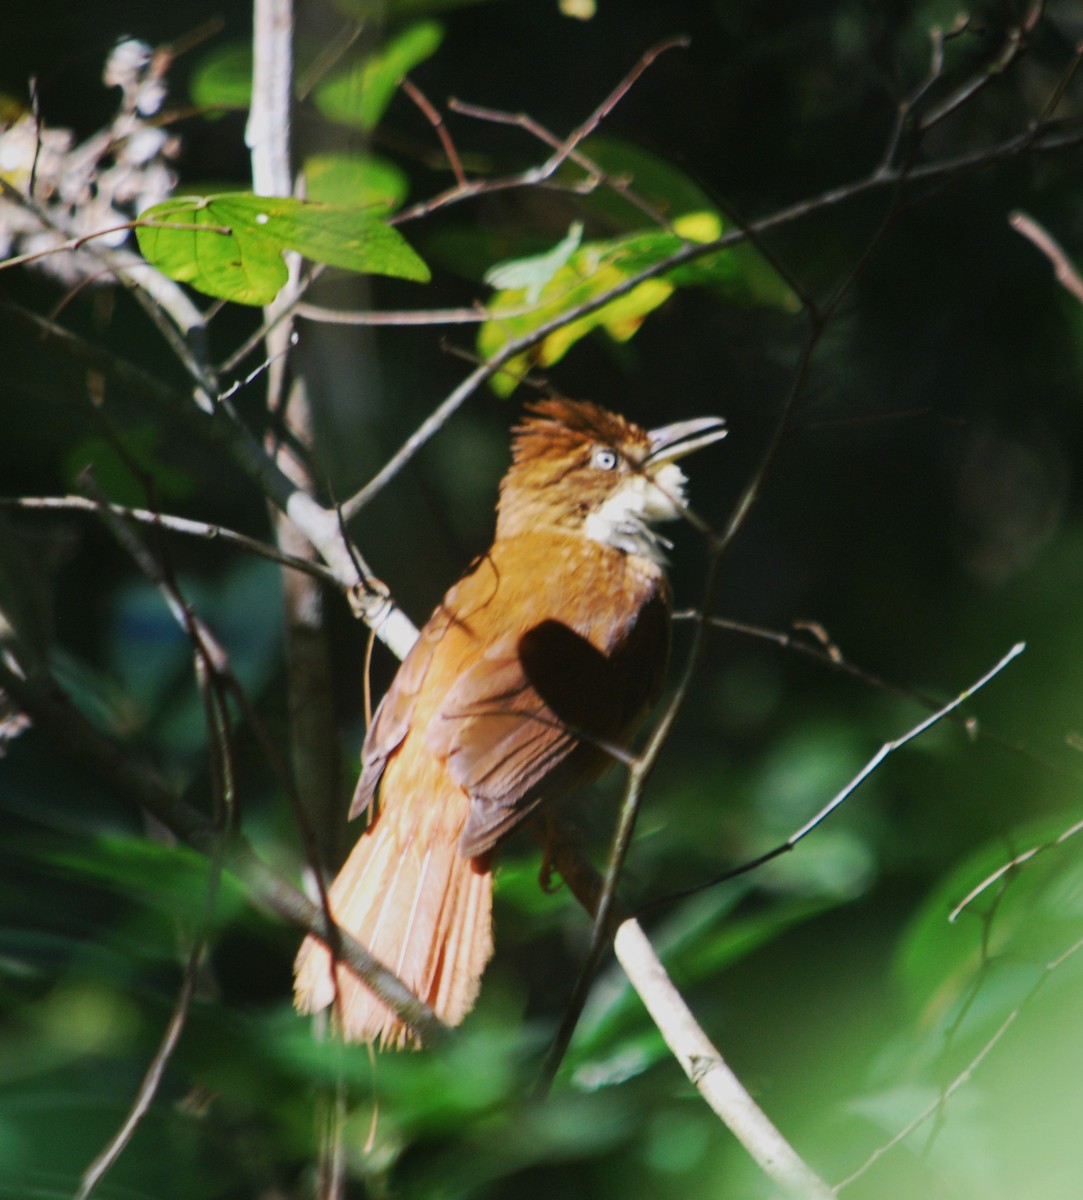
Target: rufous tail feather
column 424, row 911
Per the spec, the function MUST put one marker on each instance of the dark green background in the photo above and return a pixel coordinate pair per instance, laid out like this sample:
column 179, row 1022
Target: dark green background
column 924, row 509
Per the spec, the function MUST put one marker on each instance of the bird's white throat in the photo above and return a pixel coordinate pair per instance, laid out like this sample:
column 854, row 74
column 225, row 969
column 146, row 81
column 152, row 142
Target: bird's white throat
column 626, row 516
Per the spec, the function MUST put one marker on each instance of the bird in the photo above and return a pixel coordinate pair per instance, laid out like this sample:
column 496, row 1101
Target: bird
column 549, row 651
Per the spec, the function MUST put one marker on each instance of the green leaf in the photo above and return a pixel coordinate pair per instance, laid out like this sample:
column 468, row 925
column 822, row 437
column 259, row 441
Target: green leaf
column 231, row 245
column 580, row 273
column 359, row 95
column 533, row 273
column 223, row 78
column 114, row 475
column 596, row 268
column 172, row 878
column 355, row 179
column 1021, row 921
column 653, row 178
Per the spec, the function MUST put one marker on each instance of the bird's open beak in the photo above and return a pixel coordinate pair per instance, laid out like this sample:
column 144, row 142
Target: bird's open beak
column 682, row 437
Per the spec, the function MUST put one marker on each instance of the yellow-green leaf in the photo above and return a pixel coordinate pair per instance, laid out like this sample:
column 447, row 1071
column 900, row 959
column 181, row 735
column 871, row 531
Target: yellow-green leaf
column 595, row 268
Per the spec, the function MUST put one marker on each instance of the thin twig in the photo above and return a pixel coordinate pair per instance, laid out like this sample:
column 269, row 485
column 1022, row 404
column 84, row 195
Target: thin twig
column 536, row 176
column 828, row 654
column 1063, row 268
column 1015, row 863
column 432, row 115
column 595, row 173
column 179, row 525
column 1015, row 43
column 967, row 1073
column 152, row 1079
column 587, row 127
column 887, row 749
column 476, row 314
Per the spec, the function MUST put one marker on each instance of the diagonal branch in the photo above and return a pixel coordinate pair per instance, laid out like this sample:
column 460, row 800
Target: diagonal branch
column 39, row 695
column 698, row 1058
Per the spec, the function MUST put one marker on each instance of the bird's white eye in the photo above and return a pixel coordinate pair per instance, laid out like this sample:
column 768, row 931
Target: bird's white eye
column 604, row 458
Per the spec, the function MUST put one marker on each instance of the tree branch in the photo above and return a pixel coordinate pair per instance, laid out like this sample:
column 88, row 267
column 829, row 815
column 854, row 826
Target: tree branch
column 38, row 694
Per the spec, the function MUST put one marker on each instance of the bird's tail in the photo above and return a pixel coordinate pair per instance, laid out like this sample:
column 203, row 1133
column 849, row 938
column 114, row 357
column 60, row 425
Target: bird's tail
column 424, row 911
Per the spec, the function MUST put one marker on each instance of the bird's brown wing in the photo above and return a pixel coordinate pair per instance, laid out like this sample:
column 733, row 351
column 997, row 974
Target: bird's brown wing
column 395, row 713
column 391, row 722
column 534, row 715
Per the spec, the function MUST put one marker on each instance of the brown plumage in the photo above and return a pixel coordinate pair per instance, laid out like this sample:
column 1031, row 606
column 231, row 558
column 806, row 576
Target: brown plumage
column 553, row 645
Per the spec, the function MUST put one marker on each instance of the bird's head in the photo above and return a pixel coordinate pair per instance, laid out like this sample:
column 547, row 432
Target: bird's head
column 578, row 468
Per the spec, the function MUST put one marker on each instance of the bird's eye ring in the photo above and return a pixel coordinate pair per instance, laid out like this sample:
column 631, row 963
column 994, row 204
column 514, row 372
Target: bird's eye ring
column 604, row 458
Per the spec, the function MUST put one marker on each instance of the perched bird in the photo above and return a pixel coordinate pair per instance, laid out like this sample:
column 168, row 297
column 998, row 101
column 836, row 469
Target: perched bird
column 551, row 647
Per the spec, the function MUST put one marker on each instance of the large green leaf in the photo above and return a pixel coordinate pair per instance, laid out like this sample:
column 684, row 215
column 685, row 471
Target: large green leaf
column 359, row 94
column 231, row 245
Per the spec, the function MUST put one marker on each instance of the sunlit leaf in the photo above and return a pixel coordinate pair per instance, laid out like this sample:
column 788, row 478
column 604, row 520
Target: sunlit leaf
column 359, row 95
column 535, row 272
column 231, row 245
column 596, row 268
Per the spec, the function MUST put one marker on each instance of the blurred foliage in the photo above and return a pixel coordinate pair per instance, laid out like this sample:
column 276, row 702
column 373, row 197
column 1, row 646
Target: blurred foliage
column 925, row 512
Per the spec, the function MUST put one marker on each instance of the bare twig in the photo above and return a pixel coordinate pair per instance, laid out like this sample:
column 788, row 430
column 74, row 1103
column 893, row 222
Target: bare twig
column 887, row 749
column 587, row 127
column 1015, row 863
column 1063, row 268
column 539, row 175
column 432, row 115
column 967, row 1073
column 596, row 176
column 152, row 1079
column 474, row 315
column 200, row 530
column 1015, row 43
column 825, row 652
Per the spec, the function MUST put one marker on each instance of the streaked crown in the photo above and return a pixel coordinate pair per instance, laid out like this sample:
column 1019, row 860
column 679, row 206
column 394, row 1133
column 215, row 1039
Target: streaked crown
column 580, row 469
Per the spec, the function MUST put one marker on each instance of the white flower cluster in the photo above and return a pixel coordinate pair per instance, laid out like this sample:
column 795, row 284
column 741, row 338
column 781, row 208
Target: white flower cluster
column 84, row 188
